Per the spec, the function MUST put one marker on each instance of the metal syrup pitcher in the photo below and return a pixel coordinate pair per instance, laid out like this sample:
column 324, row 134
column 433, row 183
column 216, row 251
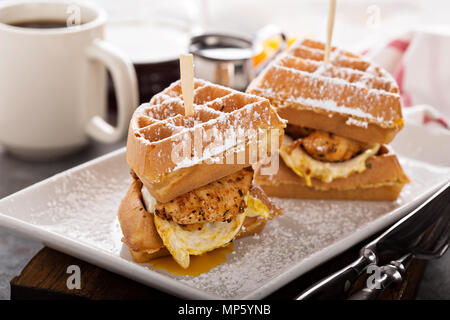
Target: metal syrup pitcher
column 228, row 59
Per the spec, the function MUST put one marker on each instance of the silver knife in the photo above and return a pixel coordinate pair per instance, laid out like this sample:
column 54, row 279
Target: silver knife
column 400, row 237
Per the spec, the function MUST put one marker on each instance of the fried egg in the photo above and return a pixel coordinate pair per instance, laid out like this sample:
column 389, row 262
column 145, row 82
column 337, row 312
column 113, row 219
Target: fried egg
column 256, row 208
column 307, row 167
column 182, row 242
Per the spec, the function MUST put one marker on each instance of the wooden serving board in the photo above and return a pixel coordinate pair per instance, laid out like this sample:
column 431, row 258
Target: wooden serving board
column 45, row 277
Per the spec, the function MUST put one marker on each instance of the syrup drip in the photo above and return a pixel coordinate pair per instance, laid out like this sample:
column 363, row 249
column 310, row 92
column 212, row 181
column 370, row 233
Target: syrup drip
column 198, row 264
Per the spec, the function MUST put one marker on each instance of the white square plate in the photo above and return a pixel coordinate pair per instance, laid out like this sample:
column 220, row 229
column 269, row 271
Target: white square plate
column 76, row 212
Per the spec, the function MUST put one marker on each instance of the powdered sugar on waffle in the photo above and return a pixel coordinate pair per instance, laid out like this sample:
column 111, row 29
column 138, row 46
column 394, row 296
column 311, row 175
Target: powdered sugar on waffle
column 320, row 74
column 355, row 122
column 223, row 119
column 329, row 105
column 361, row 89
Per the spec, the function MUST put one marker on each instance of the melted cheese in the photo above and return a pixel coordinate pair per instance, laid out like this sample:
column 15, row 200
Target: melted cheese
column 256, row 208
column 182, row 243
column 307, row 167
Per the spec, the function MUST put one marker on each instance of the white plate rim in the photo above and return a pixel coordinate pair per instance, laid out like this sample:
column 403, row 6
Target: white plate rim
column 338, row 247
column 81, row 250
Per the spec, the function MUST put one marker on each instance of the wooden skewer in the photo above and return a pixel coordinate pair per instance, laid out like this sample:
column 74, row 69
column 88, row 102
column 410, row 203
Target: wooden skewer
column 330, row 26
column 187, row 83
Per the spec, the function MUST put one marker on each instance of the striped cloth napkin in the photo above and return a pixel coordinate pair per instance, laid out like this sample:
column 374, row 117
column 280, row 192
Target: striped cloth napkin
column 420, row 63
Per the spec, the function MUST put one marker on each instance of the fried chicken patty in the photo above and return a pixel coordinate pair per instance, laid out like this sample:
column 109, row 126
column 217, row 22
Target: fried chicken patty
column 326, row 146
column 221, row 200
column 297, row 132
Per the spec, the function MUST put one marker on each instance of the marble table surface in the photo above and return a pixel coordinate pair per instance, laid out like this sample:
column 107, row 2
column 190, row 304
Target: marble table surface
column 16, row 251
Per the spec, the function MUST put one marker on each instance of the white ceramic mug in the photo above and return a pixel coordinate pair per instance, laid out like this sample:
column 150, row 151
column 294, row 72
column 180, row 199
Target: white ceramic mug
column 53, row 81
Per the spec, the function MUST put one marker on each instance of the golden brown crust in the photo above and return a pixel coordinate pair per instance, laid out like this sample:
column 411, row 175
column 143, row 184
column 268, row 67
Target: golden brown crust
column 383, row 180
column 157, row 129
column 258, row 193
column 139, row 231
column 142, row 256
column 335, row 123
column 350, row 97
column 165, row 187
column 138, row 226
column 251, row 226
column 380, row 193
column 220, row 200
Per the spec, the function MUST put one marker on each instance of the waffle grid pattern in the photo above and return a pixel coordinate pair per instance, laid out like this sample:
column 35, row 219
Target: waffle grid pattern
column 349, row 84
column 164, row 115
column 161, row 124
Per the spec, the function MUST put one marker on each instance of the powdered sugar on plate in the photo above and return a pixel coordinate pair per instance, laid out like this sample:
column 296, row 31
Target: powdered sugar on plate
column 307, row 227
column 81, row 205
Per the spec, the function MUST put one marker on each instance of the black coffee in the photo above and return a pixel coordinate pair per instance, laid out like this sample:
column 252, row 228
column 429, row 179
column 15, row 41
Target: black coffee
column 40, row 24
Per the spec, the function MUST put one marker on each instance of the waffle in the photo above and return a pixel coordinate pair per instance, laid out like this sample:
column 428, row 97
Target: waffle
column 382, row 181
column 173, row 154
column 350, row 97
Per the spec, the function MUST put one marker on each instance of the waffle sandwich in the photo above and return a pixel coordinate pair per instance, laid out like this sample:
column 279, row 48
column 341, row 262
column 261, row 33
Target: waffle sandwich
column 341, row 116
column 192, row 188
